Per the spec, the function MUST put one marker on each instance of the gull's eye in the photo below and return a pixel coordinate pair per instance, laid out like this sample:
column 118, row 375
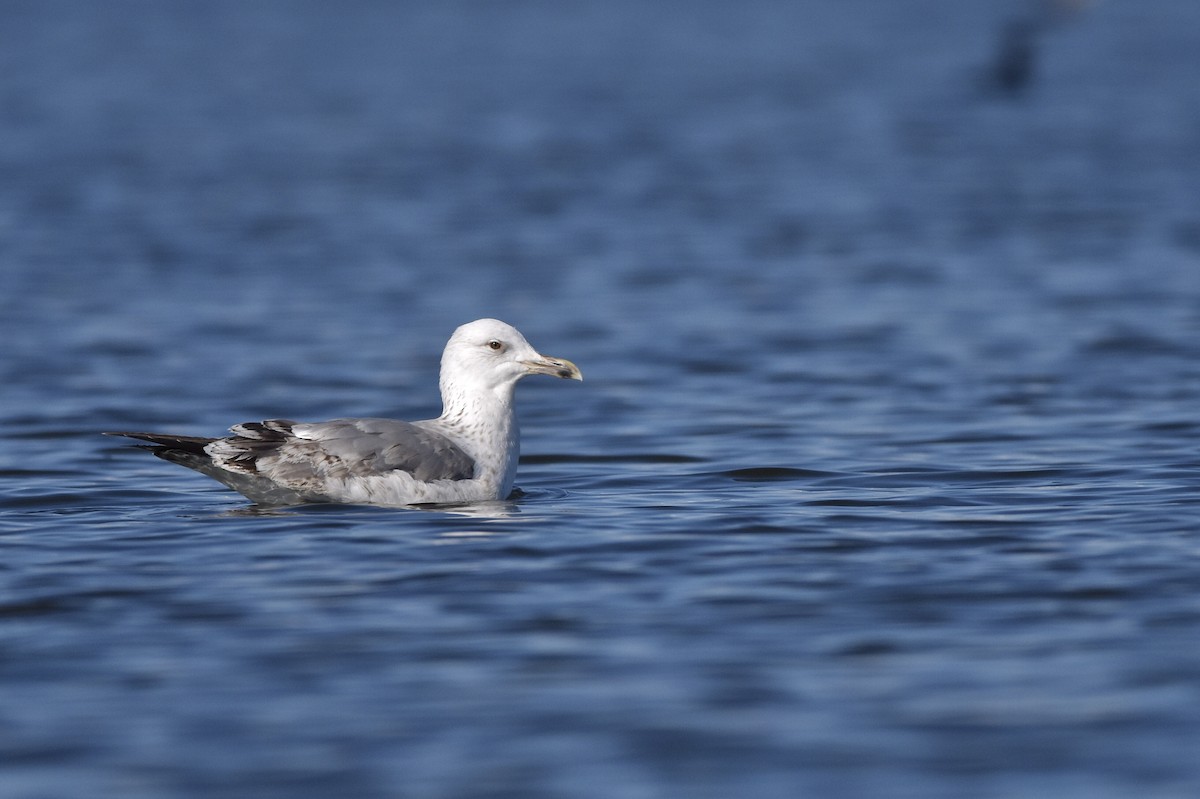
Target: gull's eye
column 495, row 345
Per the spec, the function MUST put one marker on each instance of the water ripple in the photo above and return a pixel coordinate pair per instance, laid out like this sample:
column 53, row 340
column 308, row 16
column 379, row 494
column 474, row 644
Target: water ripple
column 883, row 480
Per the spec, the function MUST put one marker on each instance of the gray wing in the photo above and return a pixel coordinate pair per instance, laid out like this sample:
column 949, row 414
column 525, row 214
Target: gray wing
column 372, row 446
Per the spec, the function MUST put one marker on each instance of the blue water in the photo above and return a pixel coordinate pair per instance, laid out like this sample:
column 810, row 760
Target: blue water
column 883, row 480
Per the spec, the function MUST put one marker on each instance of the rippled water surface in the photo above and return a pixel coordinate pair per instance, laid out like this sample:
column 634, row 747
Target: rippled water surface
column 882, row 482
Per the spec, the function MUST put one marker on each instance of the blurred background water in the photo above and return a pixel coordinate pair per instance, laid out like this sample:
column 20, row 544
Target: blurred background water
column 883, row 481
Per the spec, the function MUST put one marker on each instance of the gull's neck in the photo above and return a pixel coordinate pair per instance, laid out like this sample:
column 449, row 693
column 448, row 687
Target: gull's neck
column 482, row 421
column 471, row 402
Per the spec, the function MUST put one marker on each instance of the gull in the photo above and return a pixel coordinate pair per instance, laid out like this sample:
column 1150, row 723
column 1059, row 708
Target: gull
column 468, row 454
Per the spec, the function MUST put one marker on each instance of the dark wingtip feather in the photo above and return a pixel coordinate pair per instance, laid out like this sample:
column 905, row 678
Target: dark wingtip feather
column 193, row 444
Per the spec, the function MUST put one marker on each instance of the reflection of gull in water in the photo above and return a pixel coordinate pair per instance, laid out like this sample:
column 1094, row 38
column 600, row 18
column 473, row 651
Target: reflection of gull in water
column 468, row 454
column 486, row 511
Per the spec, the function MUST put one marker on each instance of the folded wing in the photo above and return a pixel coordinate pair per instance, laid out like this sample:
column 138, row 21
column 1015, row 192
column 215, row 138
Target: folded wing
column 284, row 462
column 297, row 454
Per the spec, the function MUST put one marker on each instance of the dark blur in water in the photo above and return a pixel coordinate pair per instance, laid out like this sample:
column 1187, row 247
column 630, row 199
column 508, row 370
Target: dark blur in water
column 883, row 481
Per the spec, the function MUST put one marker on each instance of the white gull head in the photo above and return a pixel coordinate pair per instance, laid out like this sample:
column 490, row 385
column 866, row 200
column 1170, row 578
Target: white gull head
column 484, row 360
